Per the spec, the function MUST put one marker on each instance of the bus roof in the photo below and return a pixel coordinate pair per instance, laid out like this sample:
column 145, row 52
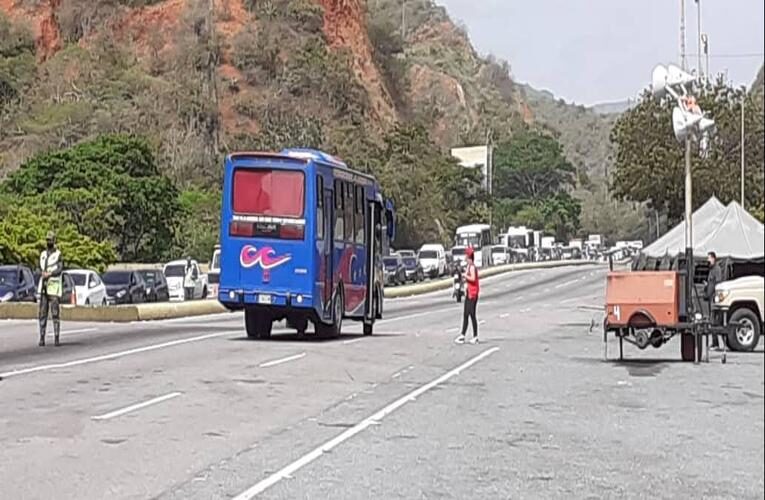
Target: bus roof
column 473, row 228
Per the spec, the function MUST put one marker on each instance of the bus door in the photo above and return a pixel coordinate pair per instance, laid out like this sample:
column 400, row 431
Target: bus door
column 372, row 234
column 327, row 251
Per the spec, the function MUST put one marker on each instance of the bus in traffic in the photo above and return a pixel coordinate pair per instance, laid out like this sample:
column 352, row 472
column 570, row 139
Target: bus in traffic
column 302, row 239
column 479, row 237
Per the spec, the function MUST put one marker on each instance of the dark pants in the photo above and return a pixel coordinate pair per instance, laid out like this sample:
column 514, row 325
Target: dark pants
column 49, row 302
column 189, row 292
column 469, row 312
column 712, row 319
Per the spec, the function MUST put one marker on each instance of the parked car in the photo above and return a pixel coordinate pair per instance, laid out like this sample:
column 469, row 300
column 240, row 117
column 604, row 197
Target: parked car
column 500, row 254
column 156, row 285
column 406, row 253
column 175, row 273
column 88, row 287
column 395, row 272
column 741, row 301
column 412, row 267
column 17, row 284
column 213, row 273
column 433, row 260
column 124, row 287
column 68, row 294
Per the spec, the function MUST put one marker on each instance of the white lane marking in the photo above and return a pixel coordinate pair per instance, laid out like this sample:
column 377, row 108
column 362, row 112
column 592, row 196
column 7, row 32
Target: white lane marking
column 481, row 322
column 520, row 297
column 570, row 300
column 191, row 319
column 504, row 315
column 113, row 355
column 452, row 330
column 567, row 283
column 138, row 406
column 81, row 330
column 375, row 419
column 353, row 341
column 525, row 310
column 282, row 360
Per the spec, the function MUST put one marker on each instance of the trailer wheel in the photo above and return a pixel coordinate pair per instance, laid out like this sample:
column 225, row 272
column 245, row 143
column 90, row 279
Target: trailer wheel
column 746, row 337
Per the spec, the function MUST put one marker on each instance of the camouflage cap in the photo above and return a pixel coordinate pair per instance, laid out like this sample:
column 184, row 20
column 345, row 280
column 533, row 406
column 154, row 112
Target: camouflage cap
column 51, row 236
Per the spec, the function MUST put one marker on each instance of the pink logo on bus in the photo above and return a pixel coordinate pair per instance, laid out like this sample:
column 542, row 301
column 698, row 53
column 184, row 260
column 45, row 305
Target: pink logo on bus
column 265, row 257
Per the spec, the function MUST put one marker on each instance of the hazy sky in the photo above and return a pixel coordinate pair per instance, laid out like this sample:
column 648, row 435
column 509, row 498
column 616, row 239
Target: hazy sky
column 591, row 51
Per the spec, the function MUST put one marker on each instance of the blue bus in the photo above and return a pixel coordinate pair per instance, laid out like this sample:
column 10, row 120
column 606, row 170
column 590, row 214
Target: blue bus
column 302, row 239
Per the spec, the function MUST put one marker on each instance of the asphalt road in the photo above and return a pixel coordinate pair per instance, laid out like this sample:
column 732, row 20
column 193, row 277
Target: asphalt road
column 193, row 409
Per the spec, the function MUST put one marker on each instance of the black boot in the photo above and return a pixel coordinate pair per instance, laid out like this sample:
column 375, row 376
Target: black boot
column 42, row 338
column 56, row 332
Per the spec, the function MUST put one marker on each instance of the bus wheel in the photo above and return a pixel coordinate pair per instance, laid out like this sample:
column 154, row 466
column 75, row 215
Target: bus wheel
column 257, row 325
column 369, row 328
column 335, row 329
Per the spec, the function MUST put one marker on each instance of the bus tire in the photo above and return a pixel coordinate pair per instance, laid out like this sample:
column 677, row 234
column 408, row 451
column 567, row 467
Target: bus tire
column 338, row 309
column 257, row 325
column 369, row 328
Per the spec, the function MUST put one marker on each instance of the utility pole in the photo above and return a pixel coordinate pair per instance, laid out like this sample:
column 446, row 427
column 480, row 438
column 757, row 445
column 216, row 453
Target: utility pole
column 683, row 63
column 403, row 19
column 743, row 153
column 705, row 42
column 698, row 29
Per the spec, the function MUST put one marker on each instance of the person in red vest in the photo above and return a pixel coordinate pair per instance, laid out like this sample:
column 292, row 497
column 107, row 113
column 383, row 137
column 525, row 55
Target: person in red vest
column 471, row 300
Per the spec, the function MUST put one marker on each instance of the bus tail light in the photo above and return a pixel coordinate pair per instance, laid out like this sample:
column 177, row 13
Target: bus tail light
column 291, row 231
column 239, row 228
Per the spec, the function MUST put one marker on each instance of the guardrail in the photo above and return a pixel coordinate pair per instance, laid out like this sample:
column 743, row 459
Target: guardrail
column 170, row 310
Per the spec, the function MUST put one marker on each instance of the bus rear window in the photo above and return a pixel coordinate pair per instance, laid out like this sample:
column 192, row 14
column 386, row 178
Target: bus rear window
column 278, row 193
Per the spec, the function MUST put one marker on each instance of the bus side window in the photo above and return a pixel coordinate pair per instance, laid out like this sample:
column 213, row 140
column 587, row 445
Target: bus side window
column 339, row 210
column 360, row 219
column 349, row 210
column 319, row 207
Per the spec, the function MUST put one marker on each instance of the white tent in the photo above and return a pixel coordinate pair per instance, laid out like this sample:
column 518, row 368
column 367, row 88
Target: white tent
column 730, row 232
column 672, row 242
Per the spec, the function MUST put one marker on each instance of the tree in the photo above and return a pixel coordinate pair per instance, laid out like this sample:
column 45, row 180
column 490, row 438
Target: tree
column 650, row 163
column 107, row 188
column 531, row 166
column 24, row 225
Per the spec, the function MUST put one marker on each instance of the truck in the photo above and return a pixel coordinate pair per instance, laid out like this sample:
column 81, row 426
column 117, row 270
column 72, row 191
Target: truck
column 175, row 272
column 740, row 301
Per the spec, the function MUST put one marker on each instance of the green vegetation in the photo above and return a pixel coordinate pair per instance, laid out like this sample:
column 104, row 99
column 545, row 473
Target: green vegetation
column 650, row 162
column 107, row 201
column 532, row 184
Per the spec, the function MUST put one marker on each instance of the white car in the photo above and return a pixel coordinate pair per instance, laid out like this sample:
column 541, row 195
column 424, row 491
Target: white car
column 88, row 287
column 742, row 301
column 433, row 260
column 175, row 273
column 213, row 273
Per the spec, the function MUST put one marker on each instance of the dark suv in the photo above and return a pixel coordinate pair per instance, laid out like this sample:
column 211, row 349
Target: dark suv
column 156, row 285
column 17, row 284
column 124, row 287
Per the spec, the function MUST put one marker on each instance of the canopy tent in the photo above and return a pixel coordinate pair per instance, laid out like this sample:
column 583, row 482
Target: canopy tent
column 731, row 232
column 672, row 243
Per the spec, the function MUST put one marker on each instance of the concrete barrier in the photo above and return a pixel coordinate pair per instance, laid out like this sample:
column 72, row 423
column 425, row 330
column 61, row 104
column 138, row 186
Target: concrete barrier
column 118, row 314
column 170, row 310
column 444, row 283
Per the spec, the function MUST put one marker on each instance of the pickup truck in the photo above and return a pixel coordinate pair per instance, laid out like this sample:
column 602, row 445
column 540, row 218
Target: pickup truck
column 741, row 301
column 175, row 273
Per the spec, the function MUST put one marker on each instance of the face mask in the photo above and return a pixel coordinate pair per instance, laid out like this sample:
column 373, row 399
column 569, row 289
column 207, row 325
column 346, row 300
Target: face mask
column 50, row 245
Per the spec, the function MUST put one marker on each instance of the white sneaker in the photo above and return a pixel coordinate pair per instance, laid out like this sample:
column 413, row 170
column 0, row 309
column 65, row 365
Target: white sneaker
column 474, row 340
column 460, row 340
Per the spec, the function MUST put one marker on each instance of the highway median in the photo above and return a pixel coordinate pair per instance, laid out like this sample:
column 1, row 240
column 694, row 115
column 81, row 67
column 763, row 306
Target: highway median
column 172, row 310
column 447, row 282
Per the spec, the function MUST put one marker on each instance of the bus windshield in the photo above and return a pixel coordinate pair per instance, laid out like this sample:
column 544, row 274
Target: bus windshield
column 469, row 240
column 278, row 193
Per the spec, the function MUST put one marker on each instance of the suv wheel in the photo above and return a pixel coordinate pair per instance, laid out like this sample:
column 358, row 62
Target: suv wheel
column 747, row 336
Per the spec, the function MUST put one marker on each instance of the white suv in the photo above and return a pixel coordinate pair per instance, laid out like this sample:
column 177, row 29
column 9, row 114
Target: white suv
column 741, row 301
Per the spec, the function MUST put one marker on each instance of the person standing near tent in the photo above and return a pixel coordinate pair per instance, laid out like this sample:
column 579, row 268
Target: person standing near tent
column 713, row 278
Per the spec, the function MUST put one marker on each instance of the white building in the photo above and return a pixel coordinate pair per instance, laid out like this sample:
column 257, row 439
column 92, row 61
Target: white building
column 476, row 157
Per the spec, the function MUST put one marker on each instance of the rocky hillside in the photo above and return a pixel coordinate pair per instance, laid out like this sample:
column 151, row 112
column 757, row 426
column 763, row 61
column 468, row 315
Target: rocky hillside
column 201, row 77
column 583, row 132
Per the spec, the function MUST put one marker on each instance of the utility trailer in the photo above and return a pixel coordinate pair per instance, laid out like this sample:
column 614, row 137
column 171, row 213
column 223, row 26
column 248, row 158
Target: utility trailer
column 648, row 308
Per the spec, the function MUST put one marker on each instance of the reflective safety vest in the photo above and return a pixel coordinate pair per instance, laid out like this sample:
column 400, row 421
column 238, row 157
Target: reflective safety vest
column 48, row 263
